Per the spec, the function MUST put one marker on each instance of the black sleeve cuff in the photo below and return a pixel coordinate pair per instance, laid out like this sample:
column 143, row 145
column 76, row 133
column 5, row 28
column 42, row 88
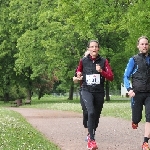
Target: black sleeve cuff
column 128, row 89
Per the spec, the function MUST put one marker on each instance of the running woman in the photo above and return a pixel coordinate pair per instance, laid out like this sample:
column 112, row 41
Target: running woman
column 94, row 69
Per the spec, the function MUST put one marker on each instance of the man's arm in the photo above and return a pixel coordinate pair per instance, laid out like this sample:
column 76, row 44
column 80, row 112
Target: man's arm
column 127, row 74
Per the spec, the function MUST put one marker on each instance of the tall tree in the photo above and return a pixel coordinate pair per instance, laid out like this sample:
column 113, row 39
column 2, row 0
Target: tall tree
column 7, row 50
column 97, row 20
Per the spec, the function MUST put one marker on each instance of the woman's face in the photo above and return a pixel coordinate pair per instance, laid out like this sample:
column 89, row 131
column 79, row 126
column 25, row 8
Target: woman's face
column 143, row 45
column 93, row 49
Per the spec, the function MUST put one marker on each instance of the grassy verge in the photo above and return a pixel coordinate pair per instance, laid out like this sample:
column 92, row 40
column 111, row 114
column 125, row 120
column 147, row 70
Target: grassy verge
column 17, row 134
column 115, row 108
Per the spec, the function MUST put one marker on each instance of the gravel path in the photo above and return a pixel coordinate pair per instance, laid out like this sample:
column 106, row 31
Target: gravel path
column 66, row 130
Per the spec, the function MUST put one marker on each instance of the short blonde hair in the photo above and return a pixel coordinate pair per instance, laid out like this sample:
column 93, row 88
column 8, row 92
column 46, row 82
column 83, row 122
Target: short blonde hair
column 142, row 37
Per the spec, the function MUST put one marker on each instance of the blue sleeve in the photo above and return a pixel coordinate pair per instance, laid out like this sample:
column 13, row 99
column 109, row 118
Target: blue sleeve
column 128, row 72
column 148, row 59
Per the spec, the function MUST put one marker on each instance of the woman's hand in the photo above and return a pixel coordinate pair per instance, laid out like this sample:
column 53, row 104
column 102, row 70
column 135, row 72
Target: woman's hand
column 98, row 68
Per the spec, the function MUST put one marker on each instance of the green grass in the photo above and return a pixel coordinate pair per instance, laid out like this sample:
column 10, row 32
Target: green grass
column 115, row 108
column 17, row 134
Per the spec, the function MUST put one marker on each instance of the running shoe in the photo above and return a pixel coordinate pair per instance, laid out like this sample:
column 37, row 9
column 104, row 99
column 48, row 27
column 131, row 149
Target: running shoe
column 145, row 146
column 134, row 126
column 91, row 145
column 87, row 137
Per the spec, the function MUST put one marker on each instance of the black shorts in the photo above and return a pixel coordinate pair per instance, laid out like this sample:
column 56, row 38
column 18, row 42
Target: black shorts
column 137, row 103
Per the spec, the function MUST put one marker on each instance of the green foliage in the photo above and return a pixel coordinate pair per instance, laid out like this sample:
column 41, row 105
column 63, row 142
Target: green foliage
column 17, row 92
column 49, row 37
column 137, row 23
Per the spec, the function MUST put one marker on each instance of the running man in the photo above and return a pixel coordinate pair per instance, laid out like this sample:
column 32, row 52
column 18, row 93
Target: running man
column 138, row 68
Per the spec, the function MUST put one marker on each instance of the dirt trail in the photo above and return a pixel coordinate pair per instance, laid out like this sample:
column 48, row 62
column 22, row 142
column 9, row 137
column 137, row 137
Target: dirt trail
column 66, row 130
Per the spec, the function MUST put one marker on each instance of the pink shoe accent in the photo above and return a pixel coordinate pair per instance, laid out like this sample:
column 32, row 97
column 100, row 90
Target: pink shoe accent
column 91, row 145
column 145, row 146
column 134, row 126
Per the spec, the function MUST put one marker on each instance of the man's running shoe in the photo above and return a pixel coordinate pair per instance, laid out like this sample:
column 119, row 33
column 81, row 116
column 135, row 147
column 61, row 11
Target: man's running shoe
column 145, row 146
column 91, row 145
column 134, row 126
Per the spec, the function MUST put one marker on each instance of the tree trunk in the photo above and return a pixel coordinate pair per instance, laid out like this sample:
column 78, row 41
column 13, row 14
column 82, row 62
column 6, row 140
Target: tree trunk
column 40, row 93
column 6, row 89
column 29, row 94
column 107, row 91
column 29, row 84
column 6, row 97
column 71, row 92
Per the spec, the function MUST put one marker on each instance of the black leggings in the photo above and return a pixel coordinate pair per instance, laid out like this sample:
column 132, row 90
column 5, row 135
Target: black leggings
column 85, row 113
column 94, row 104
column 137, row 103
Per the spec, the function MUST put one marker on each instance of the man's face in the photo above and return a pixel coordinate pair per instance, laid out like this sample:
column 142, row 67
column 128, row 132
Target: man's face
column 143, row 46
column 93, row 48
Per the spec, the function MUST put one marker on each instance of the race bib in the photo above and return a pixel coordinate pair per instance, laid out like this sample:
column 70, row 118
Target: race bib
column 93, row 79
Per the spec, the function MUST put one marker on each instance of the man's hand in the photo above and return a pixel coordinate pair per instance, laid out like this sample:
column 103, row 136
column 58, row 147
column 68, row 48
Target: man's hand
column 131, row 93
column 76, row 79
column 80, row 78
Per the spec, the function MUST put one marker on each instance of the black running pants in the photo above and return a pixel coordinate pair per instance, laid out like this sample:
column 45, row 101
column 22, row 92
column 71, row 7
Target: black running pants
column 94, row 103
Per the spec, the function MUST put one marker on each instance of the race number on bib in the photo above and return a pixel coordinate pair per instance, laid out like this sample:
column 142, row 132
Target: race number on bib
column 93, row 79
